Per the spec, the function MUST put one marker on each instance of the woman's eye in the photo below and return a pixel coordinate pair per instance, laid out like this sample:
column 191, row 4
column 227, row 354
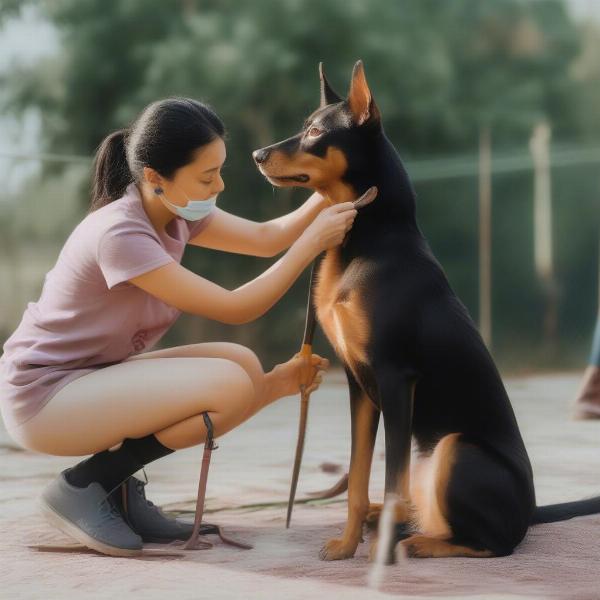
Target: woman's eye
column 314, row 131
column 211, row 179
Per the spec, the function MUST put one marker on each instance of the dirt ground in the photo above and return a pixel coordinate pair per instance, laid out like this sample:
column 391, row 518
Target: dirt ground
column 252, row 466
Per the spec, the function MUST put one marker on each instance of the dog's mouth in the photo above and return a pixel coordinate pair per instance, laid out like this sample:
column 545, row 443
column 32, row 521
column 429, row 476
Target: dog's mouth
column 301, row 178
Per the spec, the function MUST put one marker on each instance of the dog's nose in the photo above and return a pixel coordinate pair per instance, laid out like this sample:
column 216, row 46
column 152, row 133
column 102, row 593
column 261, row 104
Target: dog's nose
column 260, row 155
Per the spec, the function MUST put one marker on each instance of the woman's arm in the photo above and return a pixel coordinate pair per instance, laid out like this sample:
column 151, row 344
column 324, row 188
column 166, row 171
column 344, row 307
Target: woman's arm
column 283, row 231
column 231, row 233
column 188, row 292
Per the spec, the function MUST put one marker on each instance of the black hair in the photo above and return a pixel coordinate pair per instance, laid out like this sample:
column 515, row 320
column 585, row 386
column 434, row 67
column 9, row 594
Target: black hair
column 165, row 137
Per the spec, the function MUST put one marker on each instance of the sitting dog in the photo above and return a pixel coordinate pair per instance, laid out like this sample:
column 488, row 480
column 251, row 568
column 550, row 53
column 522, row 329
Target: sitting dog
column 410, row 350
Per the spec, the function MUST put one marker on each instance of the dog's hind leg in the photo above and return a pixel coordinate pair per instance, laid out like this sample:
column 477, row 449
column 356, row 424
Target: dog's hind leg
column 396, row 394
column 365, row 419
column 430, row 495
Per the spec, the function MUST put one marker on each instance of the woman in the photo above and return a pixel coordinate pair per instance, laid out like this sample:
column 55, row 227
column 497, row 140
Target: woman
column 74, row 381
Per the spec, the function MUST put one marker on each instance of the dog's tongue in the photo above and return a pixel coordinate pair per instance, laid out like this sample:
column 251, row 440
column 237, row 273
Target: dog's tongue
column 366, row 198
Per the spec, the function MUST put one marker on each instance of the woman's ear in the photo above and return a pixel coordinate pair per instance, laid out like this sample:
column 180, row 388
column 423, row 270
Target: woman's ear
column 153, row 178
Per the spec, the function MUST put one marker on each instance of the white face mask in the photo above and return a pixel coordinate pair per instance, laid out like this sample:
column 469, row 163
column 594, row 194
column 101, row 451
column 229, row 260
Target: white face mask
column 194, row 210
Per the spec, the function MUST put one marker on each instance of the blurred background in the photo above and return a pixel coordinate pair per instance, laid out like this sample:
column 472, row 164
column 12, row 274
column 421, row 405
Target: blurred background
column 494, row 105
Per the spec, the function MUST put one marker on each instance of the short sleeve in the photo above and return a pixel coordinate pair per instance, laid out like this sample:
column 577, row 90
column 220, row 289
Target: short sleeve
column 196, row 227
column 122, row 255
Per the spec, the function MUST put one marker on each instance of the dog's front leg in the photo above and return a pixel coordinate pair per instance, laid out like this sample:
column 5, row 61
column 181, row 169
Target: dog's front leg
column 365, row 419
column 396, row 395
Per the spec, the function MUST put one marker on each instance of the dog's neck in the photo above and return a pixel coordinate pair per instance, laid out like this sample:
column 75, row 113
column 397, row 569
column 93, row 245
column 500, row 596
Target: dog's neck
column 395, row 204
column 337, row 192
column 392, row 212
column 395, row 201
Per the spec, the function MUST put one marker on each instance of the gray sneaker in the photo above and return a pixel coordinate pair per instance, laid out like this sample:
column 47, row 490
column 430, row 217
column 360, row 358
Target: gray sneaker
column 88, row 515
column 149, row 520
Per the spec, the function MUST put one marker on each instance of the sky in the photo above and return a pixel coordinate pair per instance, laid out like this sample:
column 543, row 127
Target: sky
column 585, row 8
column 22, row 41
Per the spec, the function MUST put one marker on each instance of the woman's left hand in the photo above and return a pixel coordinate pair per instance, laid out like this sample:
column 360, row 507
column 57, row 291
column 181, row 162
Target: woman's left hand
column 294, row 373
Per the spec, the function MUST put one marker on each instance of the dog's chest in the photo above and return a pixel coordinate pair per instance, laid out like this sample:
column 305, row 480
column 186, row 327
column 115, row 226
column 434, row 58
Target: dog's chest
column 340, row 307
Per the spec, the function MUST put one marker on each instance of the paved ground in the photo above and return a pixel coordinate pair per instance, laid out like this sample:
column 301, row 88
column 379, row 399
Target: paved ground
column 253, row 465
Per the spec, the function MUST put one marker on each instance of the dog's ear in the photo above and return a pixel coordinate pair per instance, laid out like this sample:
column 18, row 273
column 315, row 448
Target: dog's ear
column 328, row 95
column 360, row 99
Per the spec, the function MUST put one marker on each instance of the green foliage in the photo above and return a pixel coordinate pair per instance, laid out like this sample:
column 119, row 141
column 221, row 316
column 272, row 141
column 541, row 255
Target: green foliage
column 9, row 9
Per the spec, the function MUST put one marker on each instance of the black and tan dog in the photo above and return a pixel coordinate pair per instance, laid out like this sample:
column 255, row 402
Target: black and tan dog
column 411, row 351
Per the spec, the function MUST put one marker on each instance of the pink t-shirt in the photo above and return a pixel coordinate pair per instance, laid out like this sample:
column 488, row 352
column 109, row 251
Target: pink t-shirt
column 88, row 315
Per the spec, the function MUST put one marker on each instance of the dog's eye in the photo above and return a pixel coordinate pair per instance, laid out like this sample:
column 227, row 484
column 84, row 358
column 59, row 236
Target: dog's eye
column 314, row 131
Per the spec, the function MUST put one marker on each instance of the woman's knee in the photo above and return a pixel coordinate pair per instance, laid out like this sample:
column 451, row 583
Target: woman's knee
column 240, row 385
column 225, row 413
column 249, row 361
column 221, row 350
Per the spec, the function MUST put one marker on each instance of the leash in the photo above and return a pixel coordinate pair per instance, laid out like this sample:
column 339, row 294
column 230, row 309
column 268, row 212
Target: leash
column 193, row 543
column 306, row 352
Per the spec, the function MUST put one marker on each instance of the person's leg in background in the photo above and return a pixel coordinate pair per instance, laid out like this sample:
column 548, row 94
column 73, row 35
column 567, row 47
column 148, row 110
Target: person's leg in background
column 587, row 402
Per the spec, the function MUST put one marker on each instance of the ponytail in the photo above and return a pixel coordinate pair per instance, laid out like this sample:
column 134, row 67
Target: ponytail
column 111, row 171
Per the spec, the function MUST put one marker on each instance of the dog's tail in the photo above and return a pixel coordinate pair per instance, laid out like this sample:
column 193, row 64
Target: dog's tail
column 566, row 510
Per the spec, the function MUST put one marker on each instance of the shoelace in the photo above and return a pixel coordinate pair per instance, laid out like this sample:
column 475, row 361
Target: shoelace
column 140, row 485
column 114, row 511
column 108, row 509
column 107, row 497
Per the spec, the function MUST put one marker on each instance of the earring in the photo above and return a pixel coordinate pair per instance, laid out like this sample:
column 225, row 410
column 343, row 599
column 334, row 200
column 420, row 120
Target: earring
column 158, row 191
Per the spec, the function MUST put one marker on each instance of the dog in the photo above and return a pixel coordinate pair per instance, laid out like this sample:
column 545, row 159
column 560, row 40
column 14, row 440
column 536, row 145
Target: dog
column 411, row 351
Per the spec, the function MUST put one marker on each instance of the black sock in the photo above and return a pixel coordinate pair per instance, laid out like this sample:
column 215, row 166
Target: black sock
column 110, row 468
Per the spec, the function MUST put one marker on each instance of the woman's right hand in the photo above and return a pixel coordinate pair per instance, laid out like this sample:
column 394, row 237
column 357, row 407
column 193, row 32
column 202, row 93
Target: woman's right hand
column 330, row 226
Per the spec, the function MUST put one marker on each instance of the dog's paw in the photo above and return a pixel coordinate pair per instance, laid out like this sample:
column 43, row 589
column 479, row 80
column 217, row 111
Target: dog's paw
column 336, row 549
column 419, row 546
column 373, row 514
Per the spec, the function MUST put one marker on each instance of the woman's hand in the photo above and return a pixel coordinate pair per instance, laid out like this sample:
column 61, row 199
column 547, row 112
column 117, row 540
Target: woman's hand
column 330, row 226
column 292, row 373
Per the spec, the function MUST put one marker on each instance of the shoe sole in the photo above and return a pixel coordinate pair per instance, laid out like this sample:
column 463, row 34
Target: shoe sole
column 585, row 410
column 583, row 415
column 63, row 524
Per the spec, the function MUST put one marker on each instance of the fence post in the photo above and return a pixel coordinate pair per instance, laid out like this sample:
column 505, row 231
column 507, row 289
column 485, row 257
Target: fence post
column 485, row 235
column 539, row 145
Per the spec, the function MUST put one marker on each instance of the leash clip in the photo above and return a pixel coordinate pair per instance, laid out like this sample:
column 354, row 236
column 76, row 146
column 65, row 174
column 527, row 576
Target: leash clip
column 210, row 444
